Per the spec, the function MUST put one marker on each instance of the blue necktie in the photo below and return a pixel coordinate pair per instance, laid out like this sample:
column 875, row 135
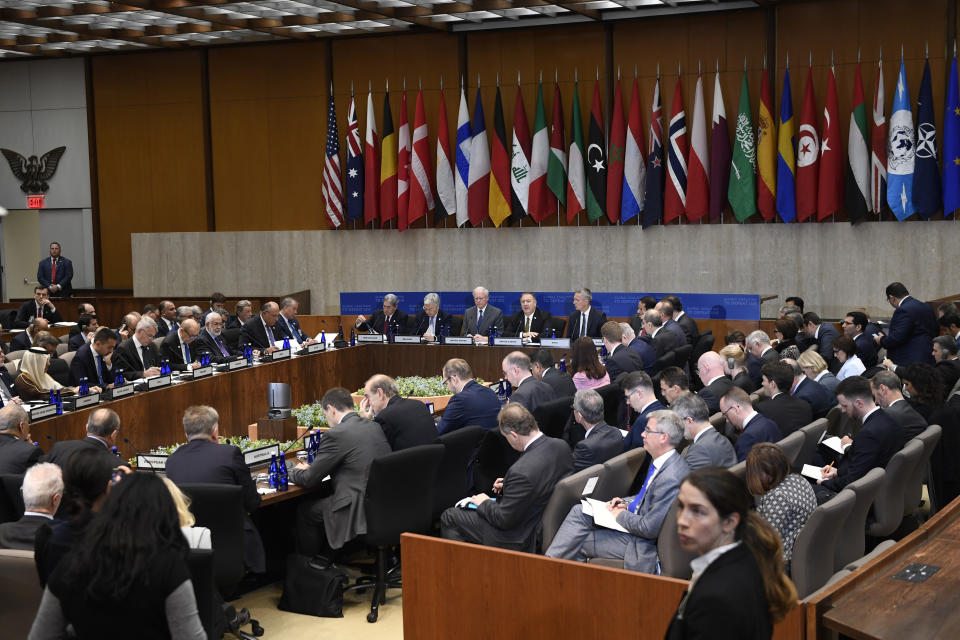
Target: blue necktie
column 186, row 353
column 293, row 334
column 636, row 501
column 100, row 368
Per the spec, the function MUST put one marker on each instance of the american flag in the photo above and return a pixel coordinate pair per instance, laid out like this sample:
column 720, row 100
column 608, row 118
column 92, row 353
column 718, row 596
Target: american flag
column 332, row 189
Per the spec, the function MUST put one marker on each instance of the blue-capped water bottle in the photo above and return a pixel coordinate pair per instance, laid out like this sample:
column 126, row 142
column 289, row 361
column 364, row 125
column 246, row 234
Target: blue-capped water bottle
column 272, row 472
column 83, row 388
column 323, row 337
column 53, row 397
column 118, row 378
column 286, row 342
column 284, row 481
column 59, row 403
column 308, row 445
column 563, row 364
column 508, row 391
column 353, row 337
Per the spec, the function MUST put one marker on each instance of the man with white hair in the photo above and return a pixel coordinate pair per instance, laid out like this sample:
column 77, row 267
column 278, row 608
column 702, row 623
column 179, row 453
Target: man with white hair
column 42, row 490
column 601, row 441
column 431, row 319
column 137, row 355
column 211, row 339
column 585, row 321
column 17, row 452
column 478, row 319
column 760, row 353
column 645, row 351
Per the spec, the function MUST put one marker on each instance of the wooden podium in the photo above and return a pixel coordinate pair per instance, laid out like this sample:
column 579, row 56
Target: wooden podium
column 283, row 429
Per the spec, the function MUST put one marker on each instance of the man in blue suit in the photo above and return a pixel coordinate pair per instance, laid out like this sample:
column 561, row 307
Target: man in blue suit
column 56, row 273
column 912, row 328
column 753, row 427
column 638, row 389
column 817, row 396
column 601, row 441
column 471, row 404
column 94, row 361
column 289, row 325
column 854, row 326
column 822, row 334
column 646, row 352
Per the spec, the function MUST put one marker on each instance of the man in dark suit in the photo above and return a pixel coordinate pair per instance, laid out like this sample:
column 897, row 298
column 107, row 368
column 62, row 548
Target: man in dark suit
column 585, row 321
column 909, row 338
column 406, row 422
column 204, row 460
column 646, row 352
column 788, row 412
column 42, row 490
column 527, row 390
column 707, row 448
column 93, row 361
column 512, row 520
column 886, row 392
column 543, row 369
column 638, row 389
column 137, row 355
column 17, row 451
column 663, row 340
column 642, row 515
column 8, row 392
column 873, row 446
column 103, row 427
column 260, row 331
column 24, row 340
column 471, row 403
column 751, row 426
column 644, row 304
column 822, row 334
column 854, row 326
column 88, row 324
column 389, row 316
column 529, row 322
column 758, row 346
column 666, row 313
column 345, row 454
column 715, row 381
column 948, row 366
column 211, row 340
column 289, row 326
column 168, row 318
column 431, row 319
column 178, row 346
column 601, row 441
column 40, row 307
column 620, row 359
column 56, row 273
column 817, row 396
column 673, row 383
column 478, row 319
column 688, row 324
column 242, row 312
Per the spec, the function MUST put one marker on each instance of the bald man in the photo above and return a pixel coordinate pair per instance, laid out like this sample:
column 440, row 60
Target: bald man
column 176, row 346
column 260, row 331
column 715, row 381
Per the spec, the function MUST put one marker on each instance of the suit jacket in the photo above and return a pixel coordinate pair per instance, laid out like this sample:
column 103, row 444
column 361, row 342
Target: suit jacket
column 595, row 320
column 671, row 325
column 714, row 610
column 28, row 311
column 949, row 372
column 711, row 449
column 513, row 519
column 204, row 461
column 421, row 322
column 84, row 365
column 22, row 533
column 755, row 364
column 492, row 317
column 873, row 446
column 513, row 325
column 170, row 350
column 867, row 350
column 561, row 382
column 7, row 379
column 17, row 455
column 406, row 423
column 817, row 396
column 59, row 370
column 345, row 454
column 689, row 326
column 531, row 393
column 206, row 342
column 645, row 524
column 399, row 319
column 602, row 443
column 646, row 352
column 829, row 381
column 232, row 323
column 474, row 405
column 712, row 393
column 64, row 275
column 21, row 342
column 908, row 418
column 623, row 360
column 634, row 437
column 666, row 340
column 61, row 451
column 76, row 341
column 162, row 329
column 125, row 357
column 788, row 412
column 254, row 333
column 744, row 381
column 759, row 429
column 825, row 337
column 910, row 336
column 289, row 328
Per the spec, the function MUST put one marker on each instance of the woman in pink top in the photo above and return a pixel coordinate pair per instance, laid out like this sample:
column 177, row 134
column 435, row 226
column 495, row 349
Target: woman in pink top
column 588, row 371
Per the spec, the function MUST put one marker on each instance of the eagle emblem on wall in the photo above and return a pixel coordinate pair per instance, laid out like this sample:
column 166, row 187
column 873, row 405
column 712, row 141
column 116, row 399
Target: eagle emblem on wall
column 33, row 173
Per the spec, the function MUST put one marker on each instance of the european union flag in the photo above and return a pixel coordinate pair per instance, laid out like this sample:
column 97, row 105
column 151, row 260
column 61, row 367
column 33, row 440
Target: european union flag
column 786, row 158
column 951, row 145
column 901, row 151
column 926, row 177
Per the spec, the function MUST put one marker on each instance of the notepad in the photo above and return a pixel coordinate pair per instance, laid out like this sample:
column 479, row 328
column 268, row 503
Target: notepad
column 588, row 488
column 835, row 443
column 811, row 472
column 601, row 515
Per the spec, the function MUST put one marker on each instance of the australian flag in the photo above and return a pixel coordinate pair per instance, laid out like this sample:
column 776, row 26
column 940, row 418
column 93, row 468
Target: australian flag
column 354, row 191
column 926, row 176
column 653, row 209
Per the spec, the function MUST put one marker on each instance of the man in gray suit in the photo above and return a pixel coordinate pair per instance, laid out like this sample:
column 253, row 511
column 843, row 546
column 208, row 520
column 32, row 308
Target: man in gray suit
column 601, row 441
column 346, row 452
column 42, row 490
column 707, row 447
column 527, row 390
column 478, row 319
column 641, row 515
column 886, row 391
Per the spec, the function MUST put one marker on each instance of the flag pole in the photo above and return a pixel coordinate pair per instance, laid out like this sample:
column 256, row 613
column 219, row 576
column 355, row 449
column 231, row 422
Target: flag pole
column 539, row 222
column 598, row 80
column 833, row 216
column 520, row 221
column 556, row 84
column 639, row 214
column 348, row 130
column 471, row 147
column 386, row 97
column 575, row 78
column 369, row 91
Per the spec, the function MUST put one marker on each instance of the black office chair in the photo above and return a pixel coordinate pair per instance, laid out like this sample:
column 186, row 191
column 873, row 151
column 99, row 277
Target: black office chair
column 552, row 416
column 664, row 361
column 231, row 336
column 456, row 325
column 704, row 343
column 200, row 563
column 614, row 404
column 494, row 457
column 11, row 502
column 558, row 324
column 452, row 480
column 682, row 355
column 398, row 500
column 219, row 507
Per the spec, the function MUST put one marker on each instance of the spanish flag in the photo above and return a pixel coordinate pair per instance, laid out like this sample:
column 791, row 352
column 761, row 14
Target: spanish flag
column 388, row 165
column 766, row 153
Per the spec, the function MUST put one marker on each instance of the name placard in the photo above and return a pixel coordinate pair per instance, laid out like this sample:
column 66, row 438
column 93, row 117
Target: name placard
column 202, row 372
column 316, row 347
column 158, row 382
column 79, row 402
column 233, row 365
column 281, row 354
column 255, row 457
column 458, row 340
column 555, row 343
column 406, row 339
column 43, row 411
column 598, row 342
column 371, row 337
column 122, row 391
column 508, row 342
column 151, row 462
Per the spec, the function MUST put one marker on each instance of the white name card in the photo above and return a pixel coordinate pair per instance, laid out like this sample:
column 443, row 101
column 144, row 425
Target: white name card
column 122, row 391
column 371, row 337
column 282, row 354
column 233, row 365
column 158, row 382
column 555, row 343
column 316, row 347
column 466, row 340
column 508, row 342
column 80, row 402
column 406, row 339
column 598, row 342
column 258, row 456
column 151, row 462
column 202, row 372
column 43, row 411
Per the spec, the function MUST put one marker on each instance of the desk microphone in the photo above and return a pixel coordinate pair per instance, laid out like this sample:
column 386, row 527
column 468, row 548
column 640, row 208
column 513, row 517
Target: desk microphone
column 417, row 332
column 293, row 442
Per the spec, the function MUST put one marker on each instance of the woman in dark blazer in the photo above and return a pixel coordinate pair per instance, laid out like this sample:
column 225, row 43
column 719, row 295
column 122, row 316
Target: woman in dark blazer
column 736, row 547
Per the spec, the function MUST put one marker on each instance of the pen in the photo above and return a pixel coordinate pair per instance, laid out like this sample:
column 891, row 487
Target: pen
column 830, row 466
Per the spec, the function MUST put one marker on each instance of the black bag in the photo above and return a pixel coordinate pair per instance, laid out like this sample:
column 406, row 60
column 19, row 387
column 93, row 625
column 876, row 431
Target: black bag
column 312, row 589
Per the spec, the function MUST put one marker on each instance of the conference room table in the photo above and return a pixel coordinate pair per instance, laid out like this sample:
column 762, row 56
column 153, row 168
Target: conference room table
column 151, row 419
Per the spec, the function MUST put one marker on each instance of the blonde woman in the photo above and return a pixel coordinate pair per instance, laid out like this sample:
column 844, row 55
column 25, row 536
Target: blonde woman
column 815, row 368
column 33, row 383
column 197, row 537
column 735, row 366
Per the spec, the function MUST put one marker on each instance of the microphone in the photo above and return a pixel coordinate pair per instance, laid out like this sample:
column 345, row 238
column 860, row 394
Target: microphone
column 420, row 325
column 293, row 442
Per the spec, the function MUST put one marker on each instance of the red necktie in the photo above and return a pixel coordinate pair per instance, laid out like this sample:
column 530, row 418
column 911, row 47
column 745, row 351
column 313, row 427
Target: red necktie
column 53, row 272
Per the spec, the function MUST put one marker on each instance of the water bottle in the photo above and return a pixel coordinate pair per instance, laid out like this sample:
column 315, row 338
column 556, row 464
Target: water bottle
column 340, row 331
column 284, row 482
column 389, row 333
column 430, row 407
column 53, row 397
column 491, row 336
column 323, row 338
column 353, row 337
column 603, row 352
column 248, row 353
column 509, row 389
column 118, row 378
column 563, row 364
column 272, row 473
column 308, row 445
column 316, row 441
column 286, row 342
column 59, row 403
column 83, row 388
column 164, row 367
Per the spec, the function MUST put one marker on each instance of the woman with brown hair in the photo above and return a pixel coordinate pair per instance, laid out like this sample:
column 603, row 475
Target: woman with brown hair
column 588, row 371
column 739, row 588
column 786, row 333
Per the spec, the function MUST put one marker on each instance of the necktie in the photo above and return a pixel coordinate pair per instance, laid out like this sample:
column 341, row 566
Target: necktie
column 53, row 271
column 433, row 325
column 219, row 342
column 144, row 357
column 100, row 368
column 526, row 329
column 293, row 333
column 636, row 501
column 269, row 335
column 583, row 324
column 479, row 319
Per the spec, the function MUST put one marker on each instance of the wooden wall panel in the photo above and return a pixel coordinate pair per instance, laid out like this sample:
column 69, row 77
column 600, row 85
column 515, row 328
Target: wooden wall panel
column 150, row 151
column 268, row 110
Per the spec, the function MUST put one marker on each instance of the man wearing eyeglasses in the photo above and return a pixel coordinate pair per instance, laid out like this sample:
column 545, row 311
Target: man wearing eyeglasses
column 211, row 340
column 752, row 426
column 638, row 390
column 431, row 319
column 176, row 346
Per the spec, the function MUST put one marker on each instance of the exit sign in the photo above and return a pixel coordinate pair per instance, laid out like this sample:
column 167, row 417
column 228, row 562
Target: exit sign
column 35, row 202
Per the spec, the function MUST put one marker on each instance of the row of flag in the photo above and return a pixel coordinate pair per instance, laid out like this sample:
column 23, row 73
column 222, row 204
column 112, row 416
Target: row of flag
column 794, row 172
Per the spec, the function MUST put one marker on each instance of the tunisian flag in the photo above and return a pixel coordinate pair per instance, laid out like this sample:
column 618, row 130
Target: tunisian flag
column 808, row 153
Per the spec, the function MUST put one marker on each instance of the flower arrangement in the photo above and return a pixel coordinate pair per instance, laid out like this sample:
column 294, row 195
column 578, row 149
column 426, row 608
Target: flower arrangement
column 245, row 444
column 310, row 415
column 419, row 387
